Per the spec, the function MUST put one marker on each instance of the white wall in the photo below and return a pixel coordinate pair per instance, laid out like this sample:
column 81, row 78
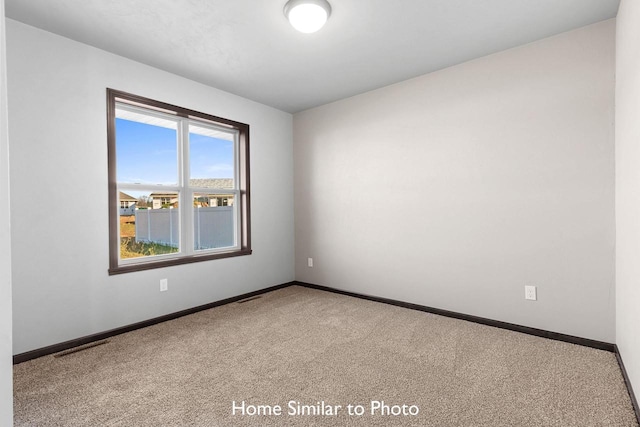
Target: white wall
column 57, row 117
column 6, row 367
column 457, row 188
column 628, row 187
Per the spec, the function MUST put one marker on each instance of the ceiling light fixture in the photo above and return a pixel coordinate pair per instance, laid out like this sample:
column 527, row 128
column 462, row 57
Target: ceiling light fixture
column 307, row 16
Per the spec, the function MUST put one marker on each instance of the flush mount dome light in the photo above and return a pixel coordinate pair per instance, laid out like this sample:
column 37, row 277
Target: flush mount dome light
column 307, row 16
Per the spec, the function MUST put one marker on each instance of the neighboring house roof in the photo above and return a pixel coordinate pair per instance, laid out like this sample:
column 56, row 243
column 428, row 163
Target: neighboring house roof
column 124, row 197
column 223, row 183
column 152, row 195
column 209, row 183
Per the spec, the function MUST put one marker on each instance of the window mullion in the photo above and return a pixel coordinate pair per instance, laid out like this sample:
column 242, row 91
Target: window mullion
column 186, row 233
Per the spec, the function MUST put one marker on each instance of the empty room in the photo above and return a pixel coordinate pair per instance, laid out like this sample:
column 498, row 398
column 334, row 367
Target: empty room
column 319, row 213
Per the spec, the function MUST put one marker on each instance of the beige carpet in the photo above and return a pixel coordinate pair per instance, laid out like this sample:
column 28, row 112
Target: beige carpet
column 308, row 346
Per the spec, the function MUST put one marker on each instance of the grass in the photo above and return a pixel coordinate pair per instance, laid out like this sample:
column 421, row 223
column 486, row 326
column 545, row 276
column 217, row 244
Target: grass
column 128, row 226
column 129, row 248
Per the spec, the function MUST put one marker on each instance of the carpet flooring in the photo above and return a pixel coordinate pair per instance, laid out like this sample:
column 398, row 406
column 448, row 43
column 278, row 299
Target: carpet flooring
column 298, row 348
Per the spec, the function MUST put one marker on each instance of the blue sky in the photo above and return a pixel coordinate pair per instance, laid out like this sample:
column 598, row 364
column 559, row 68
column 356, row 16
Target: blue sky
column 147, row 154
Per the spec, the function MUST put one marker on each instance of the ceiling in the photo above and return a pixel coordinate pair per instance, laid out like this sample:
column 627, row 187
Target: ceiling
column 247, row 47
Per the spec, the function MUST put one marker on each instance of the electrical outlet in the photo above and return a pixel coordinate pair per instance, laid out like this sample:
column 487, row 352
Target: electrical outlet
column 164, row 285
column 530, row 293
column 309, row 262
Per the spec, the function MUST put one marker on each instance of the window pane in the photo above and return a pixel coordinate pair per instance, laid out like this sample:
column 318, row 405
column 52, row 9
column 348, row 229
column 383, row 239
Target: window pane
column 145, row 231
column 213, row 221
column 211, row 157
column 146, row 149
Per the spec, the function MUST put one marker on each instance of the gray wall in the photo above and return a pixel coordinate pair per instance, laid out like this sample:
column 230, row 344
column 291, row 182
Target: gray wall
column 6, row 369
column 628, row 187
column 57, row 118
column 457, row 188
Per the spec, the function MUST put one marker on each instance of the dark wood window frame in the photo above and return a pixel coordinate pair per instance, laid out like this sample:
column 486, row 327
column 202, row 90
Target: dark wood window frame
column 114, row 96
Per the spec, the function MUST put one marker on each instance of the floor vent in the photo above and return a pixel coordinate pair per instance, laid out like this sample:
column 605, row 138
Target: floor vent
column 81, row 348
column 249, row 299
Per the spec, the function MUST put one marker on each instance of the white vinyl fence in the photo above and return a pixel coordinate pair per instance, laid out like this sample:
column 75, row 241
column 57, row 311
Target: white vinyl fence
column 213, row 227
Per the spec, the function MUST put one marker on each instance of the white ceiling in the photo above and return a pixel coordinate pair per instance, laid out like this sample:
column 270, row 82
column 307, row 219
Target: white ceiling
column 247, row 47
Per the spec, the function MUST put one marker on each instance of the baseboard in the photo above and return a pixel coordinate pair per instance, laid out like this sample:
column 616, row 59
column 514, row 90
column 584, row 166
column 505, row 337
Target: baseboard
column 55, row 348
column 627, row 382
column 33, row 354
column 600, row 345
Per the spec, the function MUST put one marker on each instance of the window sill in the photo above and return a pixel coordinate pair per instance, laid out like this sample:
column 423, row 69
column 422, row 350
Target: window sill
column 176, row 261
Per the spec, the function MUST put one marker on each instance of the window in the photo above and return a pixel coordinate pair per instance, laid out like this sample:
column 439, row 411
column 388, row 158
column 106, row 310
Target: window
column 189, row 173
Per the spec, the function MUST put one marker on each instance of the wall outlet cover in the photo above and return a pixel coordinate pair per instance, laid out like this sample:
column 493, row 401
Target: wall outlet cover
column 530, row 293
